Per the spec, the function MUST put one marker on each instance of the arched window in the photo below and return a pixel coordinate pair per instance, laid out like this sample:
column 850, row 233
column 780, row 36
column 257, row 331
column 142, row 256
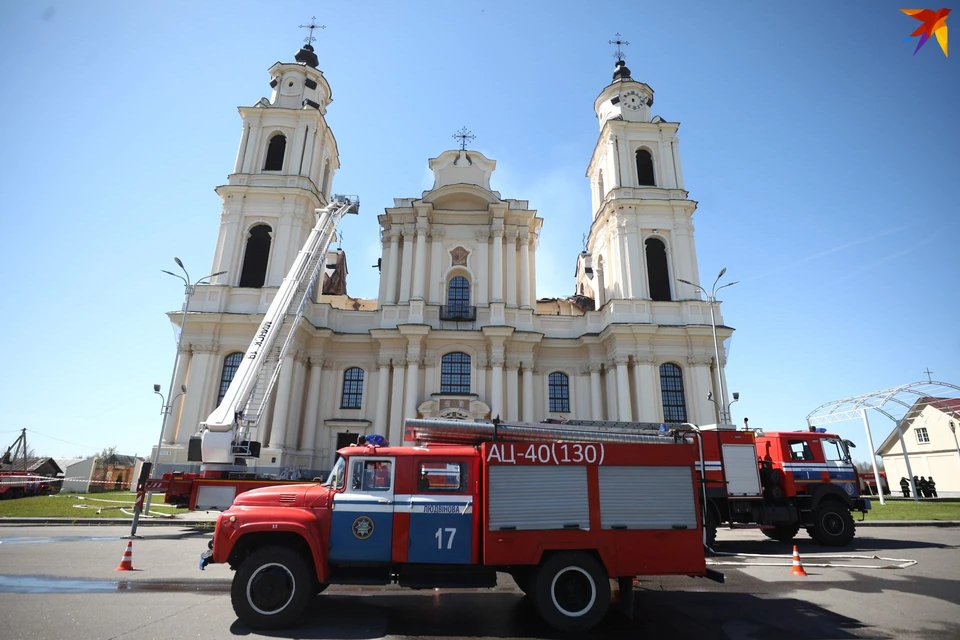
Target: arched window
column 274, row 161
column 254, row 271
column 671, row 393
column 559, row 385
column 658, row 275
column 458, row 295
column 230, row 365
column 455, row 373
column 601, row 191
column 352, row 396
column 645, row 169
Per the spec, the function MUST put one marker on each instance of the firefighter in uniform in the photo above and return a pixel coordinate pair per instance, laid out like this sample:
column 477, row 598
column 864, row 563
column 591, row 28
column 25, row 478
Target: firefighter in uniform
column 905, row 487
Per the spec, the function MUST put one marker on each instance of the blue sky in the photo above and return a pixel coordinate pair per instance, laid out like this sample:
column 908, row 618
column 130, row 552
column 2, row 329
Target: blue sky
column 824, row 156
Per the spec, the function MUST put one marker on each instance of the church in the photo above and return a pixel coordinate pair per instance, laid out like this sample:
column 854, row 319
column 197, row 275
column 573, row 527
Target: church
column 457, row 329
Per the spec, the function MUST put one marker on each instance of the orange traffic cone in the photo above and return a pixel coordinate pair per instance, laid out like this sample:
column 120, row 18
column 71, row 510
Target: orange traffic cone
column 797, row 565
column 126, row 563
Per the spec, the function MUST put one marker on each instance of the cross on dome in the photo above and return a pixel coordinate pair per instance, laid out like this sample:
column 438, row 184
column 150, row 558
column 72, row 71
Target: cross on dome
column 313, row 25
column 465, row 136
column 618, row 54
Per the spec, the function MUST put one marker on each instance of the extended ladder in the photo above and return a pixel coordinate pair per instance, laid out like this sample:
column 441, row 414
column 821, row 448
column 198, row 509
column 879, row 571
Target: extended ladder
column 245, row 399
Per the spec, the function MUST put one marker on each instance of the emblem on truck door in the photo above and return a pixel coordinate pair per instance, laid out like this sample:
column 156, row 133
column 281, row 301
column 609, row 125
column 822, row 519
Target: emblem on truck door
column 362, row 528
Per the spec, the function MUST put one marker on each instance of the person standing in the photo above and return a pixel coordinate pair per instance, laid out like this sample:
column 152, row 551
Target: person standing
column 932, row 486
column 924, row 487
column 916, row 487
column 905, row 486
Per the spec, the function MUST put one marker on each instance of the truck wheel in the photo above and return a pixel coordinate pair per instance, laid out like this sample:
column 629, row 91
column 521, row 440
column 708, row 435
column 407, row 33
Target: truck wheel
column 832, row 525
column 271, row 588
column 782, row 533
column 571, row 592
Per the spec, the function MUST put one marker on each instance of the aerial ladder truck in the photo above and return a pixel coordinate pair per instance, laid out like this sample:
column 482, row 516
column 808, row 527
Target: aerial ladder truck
column 228, row 437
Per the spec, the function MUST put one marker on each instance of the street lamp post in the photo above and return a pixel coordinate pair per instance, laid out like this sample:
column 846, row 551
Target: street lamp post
column 711, row 302
column 953, row 430
column 188, row 290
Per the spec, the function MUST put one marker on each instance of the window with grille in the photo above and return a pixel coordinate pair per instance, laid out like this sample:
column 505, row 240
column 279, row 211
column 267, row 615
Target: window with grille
column 352, row 388
column 230, row 365
column 671, row 393
column 559, row 386
column 458, row 295
column 922, row 436
column 455, row 373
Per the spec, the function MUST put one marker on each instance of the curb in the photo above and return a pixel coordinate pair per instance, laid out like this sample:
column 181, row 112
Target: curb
column 907, row 523
column 108, row 522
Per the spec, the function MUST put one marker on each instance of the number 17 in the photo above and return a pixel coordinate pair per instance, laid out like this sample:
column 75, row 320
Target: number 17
column 439, row 536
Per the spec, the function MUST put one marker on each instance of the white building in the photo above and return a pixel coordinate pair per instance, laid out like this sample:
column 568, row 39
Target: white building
column 457, row 329
column 930, row 440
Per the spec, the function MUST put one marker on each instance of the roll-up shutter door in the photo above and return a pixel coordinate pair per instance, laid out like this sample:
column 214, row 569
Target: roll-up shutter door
column 647, row 498
column 741, row 469
column 536, row 497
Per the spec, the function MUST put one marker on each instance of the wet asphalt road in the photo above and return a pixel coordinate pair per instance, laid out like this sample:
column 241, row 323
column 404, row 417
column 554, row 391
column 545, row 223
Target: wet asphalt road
column 60, row 583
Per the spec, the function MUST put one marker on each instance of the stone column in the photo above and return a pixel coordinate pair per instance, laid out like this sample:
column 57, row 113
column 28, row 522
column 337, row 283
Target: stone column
column 528, row 415
column 511, row 247
column 496, row 381
column 483, row 267
column 309, row 441
column 601, row 292
column 623, row 389
column 626, row 280
column 420, row 262
column 383, row 391
column 395, row 434
column 436, row 266
column 296, row 392
column 645, row 391
column 698, row 407
column 638, row 288
column 391, row 270
column 596, row 396
column 173, row 420
column 406, row 270
column 250, row 164
column 196, row 406
column 281, row 411
column 525, row 269
column 513, row 385
column 496, row 275
column 532, row 261
column 616, row 179
column 413, row 391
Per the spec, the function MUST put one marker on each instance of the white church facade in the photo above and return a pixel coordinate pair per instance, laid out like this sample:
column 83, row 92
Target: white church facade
column 457, row 329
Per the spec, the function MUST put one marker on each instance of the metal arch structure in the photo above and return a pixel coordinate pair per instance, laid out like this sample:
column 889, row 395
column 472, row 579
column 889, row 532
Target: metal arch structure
column 901, row 404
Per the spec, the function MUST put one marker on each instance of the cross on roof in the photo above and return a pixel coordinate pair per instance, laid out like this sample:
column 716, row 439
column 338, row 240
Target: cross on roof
column 928, row 372
column 313, row 25
column 618, row 54
column 465, row 136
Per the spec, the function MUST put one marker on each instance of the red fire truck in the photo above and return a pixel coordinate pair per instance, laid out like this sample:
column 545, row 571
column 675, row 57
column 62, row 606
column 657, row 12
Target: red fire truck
column 563, row 510
column 781, row 481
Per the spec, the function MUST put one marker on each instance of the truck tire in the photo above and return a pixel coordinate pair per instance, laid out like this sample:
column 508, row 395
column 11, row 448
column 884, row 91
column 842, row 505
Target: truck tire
column 271, row 588
column 571, row 592
column 832, row 524
column 782, row 533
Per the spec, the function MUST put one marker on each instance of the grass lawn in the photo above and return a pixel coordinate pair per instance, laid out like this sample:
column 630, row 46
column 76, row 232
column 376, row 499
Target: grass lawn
column 938, row 509
column 111, row 504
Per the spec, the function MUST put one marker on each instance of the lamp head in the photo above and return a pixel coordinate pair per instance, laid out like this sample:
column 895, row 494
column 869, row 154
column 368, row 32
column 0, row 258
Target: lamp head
column 177, row 260
column 722, row 271
column 709, row 395
column 156, row 388
column 183, row 388
column 736, row 395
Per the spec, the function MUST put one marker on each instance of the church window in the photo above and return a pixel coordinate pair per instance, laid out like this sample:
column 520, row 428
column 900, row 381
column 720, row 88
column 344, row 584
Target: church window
column 458, row 296
column 352, row 388
column 671, row 393
column 645, row 169
column 657, row 274
column 275, row 151
column 559, row 385
column 230, row 365
column 254, row 271
column 455, row 373
column 600, row 189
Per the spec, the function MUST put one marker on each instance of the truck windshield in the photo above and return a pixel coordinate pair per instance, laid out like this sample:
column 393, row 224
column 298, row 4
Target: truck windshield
column 834, row 450
column 335, row 481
